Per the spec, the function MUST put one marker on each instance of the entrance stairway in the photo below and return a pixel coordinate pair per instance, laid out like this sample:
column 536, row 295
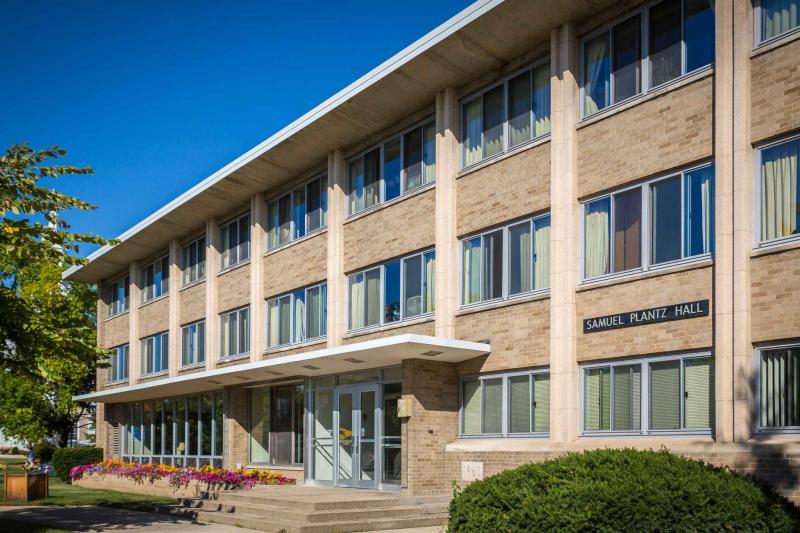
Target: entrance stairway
column 304, row 509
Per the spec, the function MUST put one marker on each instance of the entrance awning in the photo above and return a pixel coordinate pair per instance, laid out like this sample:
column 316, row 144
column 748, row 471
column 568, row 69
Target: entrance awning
column 348, row 358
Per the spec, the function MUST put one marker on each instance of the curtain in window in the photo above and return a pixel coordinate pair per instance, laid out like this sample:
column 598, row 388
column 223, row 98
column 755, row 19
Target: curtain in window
column 778, row 16
column 519, row 398
column 373, row 293
column 493, row 405
column 472, row 407
column 299, row 333
column 699, row 212
column 597, row 408
column 596, row 74
column 541, row 100
column 273, row 319
column 429, row 286
column 698, row 384
column 519, row 109
column 313, row 311
column 665, row 395
column 357, row 301
column 541, row 403
column 471, row 271
column 299, row 213
column 356, row 185
column 780, row 388
column 412, row 158
column 429, row 152
column 779, row 200
column 627, row 398
column 472, row 132
column 225, row 333
column 520, row 257
column 596, row 249
column 493, row 118
column 541, row 258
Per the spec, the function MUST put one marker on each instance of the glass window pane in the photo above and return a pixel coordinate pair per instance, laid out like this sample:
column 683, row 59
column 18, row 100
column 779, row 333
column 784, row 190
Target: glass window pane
column 665, row 395
column 219, row 426
column 273, row 225
column 493, row 118
column 412, row 286
column 492, row 406
column 244, row 330
column 299, row 212
column 299, row 333
column 780, row 195
column 357, row 299
column 780, row 388
column 372, row 175
column 778, row 16
column 412, row 158
column 244, row 238
column 597, row 399
column 180, row 426
column 284, row 219
column 597, row 244
column 541, row 253
column 259, row 425
column 373, row 296
column 627, row 58
column 192, row 418
column 666, row 224
column 391, row 281
column 698, row 33
column 429, row 282
column 391, row 169
column 313, row 312
column 471, row 397
column 158, row 414
column 541, row 403
column 597, row 73
column 185, row 349
column 627, row 398
column 519, row 399
column 472, row 126
column 356, row 185
column 699, row 212
column 314, row 204
column 471, row 271
column 273, row 323
column 698, row 384
column 201, row 342
column 665, row 42
column 520, row 258
column 519, row 109
column 628, row 230
column 541, row 100
column 429, row 152
column 205, row 424
column 493, row 265
column 169, row 423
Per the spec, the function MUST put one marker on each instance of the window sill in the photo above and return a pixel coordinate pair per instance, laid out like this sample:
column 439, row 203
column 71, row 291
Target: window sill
column 528, row 145
column 154, row 375
column 774, row 247
column 192, row 366
column 394, row 325
column 775, row 42
column 116, row 383
column 193, row 284
column 231, row 358
column 289, row 244
column 661, row 90
column 233, row 267
column 288, row 347
column 377, row 207
column 154, row 300
column 495, row 304
column 689, row 433
column 112, row 317
column 653, row 272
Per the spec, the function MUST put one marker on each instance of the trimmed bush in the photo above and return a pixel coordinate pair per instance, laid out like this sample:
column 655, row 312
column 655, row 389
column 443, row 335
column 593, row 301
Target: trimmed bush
column 620, row 490
column 43, row 451
column 66, row 458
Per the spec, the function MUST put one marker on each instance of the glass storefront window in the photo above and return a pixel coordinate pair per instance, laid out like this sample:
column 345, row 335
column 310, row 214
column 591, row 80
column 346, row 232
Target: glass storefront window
column 276, row 425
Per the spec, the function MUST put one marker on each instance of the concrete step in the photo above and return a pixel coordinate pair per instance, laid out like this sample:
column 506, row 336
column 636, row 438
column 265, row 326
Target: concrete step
column 290, row 515
column 354, row 500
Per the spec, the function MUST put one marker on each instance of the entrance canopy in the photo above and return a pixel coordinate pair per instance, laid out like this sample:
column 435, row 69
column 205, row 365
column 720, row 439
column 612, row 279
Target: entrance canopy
column 348, row 358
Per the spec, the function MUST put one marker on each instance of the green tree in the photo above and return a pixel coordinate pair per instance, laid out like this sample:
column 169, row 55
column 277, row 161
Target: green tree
column 48, row 348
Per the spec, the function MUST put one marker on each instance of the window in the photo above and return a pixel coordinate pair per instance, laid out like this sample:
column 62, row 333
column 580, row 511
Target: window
column 235, row 242
column 779, row 388
column 779, row 205
column 617, row 227
column 648, row 396
column 155, row 279
column 521, row 101
column 117, row 296
column 298, row 212
column 397, row 166
column 235, row 333
column 616, row 59
column 193, row 343
column 155, row 354
column 118, row 371
column 775, row 18
column 396, row 290
column 525, row 410
column 298, row 316
column 276, row 425
column 506, row 262
column 194, row 261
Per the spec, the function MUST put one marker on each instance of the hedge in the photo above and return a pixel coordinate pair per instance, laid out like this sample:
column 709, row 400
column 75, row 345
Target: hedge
column 64, row 459
column 620, row 490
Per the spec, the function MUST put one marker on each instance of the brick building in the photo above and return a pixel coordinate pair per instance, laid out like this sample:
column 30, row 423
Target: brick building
column 540, row 228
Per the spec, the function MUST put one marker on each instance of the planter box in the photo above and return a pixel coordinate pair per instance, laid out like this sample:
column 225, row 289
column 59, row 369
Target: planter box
column 26, row 487
column 159, row 487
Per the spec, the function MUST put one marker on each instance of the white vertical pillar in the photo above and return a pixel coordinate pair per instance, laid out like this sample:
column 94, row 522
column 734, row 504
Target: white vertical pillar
column 337, row 284
column 175, row 282
column 134, row 346
column 258, row 217
column 212, row 270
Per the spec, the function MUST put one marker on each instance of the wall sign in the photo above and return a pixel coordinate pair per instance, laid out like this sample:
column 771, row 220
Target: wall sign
column 646, row 316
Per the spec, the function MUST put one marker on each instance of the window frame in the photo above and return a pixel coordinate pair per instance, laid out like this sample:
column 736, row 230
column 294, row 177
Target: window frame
column 291, row 294
column 506, row 263
column 757, row 427
column 758, row 242
column 196, row 362
column 239, row 259
column 324, row 184
column 382, row 268
column 646, row 226
column 645, row 393
column 164, row 279
column 506, row 404
column 644, row 62
column 427, row 121
column 758, row 40
column 113, row 308
column 238, row 312
column 199, row 267
column 471, row 97
column 121, row 351
column 163, row 338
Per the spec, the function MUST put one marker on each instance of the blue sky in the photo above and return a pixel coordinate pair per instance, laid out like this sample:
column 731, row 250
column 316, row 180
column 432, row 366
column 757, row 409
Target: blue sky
column 155, row 96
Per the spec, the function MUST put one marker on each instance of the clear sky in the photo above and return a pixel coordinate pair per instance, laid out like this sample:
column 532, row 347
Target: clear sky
column 157, row 95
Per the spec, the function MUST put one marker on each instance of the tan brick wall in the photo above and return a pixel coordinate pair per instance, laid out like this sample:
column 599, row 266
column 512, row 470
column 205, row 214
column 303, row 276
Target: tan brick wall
column 668, row 131
column 516, row 186
column 235, row 440
column 296, row 265
column 192, row 303
column 116, row 331
column 420, row 328
column 775, row 289
column 775, row 92
column 519, row 334
column 398, row 229
column 233, row 289
column 689, row 285
column 154, row 317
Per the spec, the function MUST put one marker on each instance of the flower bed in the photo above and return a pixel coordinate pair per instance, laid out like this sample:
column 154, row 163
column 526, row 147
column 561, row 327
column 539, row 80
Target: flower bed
column 218, row 478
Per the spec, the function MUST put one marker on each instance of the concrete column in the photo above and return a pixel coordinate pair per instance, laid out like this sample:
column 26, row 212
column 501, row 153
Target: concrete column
column 743, row 210
column 134, row 346
column 564, row 213
column 337, row 283
column 723, row 199
column 212, row 269
column 258, row 246
column 446, row 240
column 175, row 283
column 101, row 312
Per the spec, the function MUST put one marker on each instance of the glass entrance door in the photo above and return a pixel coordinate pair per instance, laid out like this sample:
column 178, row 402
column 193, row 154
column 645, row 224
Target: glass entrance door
column 357, row 419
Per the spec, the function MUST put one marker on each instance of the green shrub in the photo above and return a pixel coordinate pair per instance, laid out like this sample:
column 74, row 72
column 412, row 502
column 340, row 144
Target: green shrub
column 620, row 490
column 43, row 451
column 65, row 458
